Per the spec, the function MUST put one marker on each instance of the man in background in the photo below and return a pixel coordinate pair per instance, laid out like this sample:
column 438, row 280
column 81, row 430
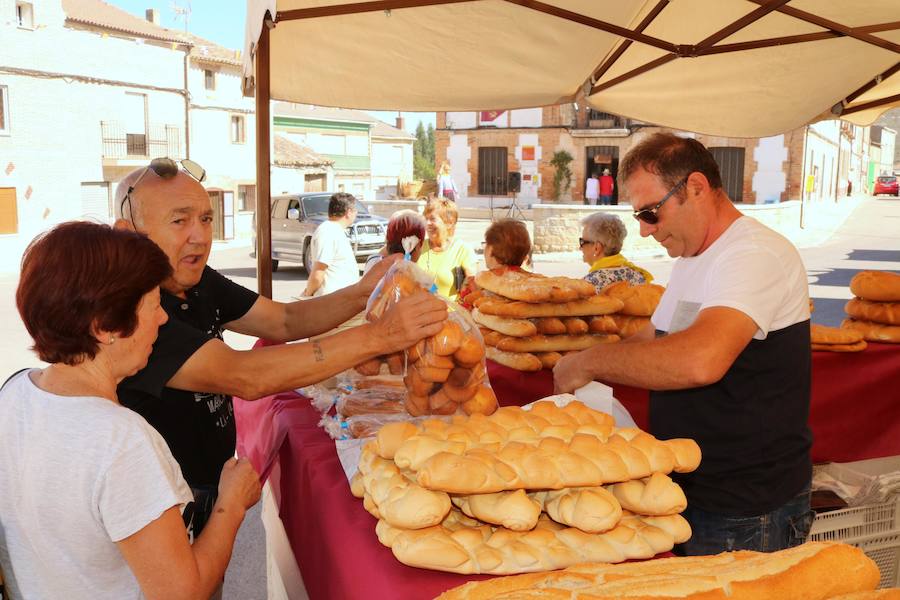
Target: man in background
column 333, row 264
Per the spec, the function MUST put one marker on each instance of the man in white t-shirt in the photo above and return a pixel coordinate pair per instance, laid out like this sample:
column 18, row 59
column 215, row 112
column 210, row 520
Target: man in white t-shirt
column 726, row 357
column 333, row 262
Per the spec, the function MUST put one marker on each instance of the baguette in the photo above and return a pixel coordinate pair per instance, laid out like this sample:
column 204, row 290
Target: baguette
column 881, row 286
column 595, row 305
column 549, row 359
column 638, row 300
column 886, row 313
column 819, row 334
column 505, row 325
column 812, row 571
column 529, row 287
column 554, row 343
column 520, row 361
column 874, row 332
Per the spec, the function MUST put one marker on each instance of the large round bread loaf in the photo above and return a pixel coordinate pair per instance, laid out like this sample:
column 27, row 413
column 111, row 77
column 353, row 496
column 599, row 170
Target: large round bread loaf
column 882, row 286
column 887, row 313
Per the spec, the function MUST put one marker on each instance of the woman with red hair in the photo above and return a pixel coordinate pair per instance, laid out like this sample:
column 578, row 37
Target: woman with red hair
column 403, row 225
column 92, row 497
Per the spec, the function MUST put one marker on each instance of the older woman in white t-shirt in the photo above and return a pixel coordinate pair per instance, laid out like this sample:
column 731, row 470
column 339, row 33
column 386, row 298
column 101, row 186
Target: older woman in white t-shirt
column 92, row 499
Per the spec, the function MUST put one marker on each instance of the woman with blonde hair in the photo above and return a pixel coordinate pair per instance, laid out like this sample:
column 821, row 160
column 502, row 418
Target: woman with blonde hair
column 446, row 188
column 450, row 260
column 601, row 241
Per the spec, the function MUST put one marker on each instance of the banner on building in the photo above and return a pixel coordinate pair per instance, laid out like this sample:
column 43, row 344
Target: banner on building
column 489, row 116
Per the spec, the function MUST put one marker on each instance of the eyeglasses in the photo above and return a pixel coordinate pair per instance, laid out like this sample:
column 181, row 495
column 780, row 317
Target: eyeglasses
column 582, row 242
column 649, row 215
column 167, row 169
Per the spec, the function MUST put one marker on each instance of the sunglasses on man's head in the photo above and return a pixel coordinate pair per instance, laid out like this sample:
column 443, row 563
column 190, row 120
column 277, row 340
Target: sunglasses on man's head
column 649, row 215
column 167, row 169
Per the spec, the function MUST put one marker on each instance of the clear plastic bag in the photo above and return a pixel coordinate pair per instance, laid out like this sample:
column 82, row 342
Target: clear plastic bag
column 373, row 400
column 444, row 374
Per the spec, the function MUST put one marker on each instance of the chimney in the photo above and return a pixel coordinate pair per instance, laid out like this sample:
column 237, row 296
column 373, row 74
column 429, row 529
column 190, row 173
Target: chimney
column 152, row 15
column 400, row 123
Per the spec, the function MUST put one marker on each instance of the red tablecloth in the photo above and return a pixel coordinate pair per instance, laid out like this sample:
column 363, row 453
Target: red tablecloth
column 854, row 411
column 854, row 408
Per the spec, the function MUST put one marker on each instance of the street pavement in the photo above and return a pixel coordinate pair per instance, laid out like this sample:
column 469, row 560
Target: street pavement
column 868, row 239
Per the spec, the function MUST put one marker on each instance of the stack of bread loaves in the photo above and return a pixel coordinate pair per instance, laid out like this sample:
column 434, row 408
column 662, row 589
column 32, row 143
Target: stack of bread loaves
column 875, row 312
column 529, row 321
column 835, row 339
column 812, row 571
column 524, row 490
column 638, row 304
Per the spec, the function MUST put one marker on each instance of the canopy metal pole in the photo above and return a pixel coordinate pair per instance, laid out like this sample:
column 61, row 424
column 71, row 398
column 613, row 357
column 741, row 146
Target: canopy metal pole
column 263, row 171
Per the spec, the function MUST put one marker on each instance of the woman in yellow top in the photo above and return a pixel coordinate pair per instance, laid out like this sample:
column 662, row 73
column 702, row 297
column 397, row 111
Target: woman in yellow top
column 601, row 241
column 448, row 259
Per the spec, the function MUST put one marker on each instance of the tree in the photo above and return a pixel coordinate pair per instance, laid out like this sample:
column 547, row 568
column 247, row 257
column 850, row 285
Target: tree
column 423, row 153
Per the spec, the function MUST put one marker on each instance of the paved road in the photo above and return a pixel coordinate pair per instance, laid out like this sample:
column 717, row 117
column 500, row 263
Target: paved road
column 869, row 239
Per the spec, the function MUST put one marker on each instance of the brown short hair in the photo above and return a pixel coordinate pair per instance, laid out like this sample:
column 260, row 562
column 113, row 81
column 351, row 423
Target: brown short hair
column 672, row 158
column 81, row 275
column 509, row 241
column 446, row 210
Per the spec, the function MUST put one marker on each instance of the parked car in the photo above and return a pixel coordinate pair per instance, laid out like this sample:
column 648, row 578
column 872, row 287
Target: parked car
column 887, row 184
column 295, row 218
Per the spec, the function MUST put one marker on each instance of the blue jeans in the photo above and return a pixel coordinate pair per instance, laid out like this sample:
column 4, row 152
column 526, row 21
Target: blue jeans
column 782, row 528
column 605, row 200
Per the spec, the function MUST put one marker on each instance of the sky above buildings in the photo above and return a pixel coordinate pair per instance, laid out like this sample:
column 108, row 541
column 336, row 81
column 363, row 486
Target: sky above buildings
column 222, row 22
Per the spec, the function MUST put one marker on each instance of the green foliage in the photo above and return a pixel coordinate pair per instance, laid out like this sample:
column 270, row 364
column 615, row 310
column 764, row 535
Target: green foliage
column 423, row 153
column 562, row 179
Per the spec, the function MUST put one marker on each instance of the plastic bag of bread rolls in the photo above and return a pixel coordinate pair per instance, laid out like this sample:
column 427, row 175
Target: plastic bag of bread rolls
column 444, row 374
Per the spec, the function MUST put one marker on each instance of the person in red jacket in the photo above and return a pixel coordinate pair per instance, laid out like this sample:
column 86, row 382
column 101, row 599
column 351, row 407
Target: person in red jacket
column 607, row 184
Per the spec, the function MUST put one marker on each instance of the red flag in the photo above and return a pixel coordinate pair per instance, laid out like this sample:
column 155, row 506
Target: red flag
column 490, row 115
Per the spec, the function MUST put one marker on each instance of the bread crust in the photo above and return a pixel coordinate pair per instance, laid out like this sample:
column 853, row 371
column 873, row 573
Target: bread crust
column 819, row 334
column 886, row 313
column 505, row 325
column 856, row 347
column 595, row 305
column 874, row 332
column 638, row 300
column 529, row 287
column 881, row 286
column 520, row 361
column 554, row 343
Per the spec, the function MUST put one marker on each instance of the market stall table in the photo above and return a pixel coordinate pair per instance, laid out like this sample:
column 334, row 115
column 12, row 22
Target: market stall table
column 853, row 411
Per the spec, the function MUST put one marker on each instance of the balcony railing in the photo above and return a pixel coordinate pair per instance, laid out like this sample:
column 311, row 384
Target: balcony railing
column 158, row 140
column 602, row 120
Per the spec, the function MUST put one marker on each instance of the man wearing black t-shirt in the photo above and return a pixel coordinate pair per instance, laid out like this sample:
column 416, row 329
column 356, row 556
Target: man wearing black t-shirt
column 726, row 357
column 185, row 390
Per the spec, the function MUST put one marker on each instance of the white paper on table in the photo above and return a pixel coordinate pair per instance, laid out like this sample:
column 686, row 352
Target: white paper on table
column 599, row 397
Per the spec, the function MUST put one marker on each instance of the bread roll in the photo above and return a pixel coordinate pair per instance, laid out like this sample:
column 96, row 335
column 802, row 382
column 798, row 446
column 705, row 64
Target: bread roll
column 886, row 313
column 595, row 305
column 528, row 287
column 448, row 339
column 369, row 367
column 513, row 510
column 470, row 352
column 638, row 300
column 819, row 334
column 881, row 286
column 484, row 402
column 812, row 571
column 505, row 325
column 416, row 405
column 874, row 332
column 590, row 509
column 549, row 326
column 554, row 343
column 520, row 361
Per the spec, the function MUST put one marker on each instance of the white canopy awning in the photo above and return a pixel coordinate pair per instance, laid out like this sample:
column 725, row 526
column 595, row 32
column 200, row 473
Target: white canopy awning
column 725, row 67
column 740, row 68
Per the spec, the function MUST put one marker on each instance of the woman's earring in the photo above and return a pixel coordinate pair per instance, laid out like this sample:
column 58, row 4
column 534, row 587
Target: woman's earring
column 112, row 339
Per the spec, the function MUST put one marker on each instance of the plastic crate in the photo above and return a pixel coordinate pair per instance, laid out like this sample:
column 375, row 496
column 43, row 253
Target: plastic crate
column 885, row 551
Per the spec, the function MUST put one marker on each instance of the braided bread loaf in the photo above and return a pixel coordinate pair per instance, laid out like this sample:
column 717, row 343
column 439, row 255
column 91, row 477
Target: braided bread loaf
column 461, row 545
column 400, row 502
column 654, row 495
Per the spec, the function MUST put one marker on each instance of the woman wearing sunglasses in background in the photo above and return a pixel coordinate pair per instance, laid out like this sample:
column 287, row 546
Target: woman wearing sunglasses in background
column 601, row 242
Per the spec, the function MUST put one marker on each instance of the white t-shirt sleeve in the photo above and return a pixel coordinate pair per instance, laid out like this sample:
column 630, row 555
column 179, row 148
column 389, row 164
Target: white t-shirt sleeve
column 142, row 482
column 747, row 277
column 326, row 248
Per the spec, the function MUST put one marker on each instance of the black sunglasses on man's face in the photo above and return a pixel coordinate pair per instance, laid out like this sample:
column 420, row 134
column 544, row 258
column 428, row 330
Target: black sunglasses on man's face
column 649, row 215
column 167, row 169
